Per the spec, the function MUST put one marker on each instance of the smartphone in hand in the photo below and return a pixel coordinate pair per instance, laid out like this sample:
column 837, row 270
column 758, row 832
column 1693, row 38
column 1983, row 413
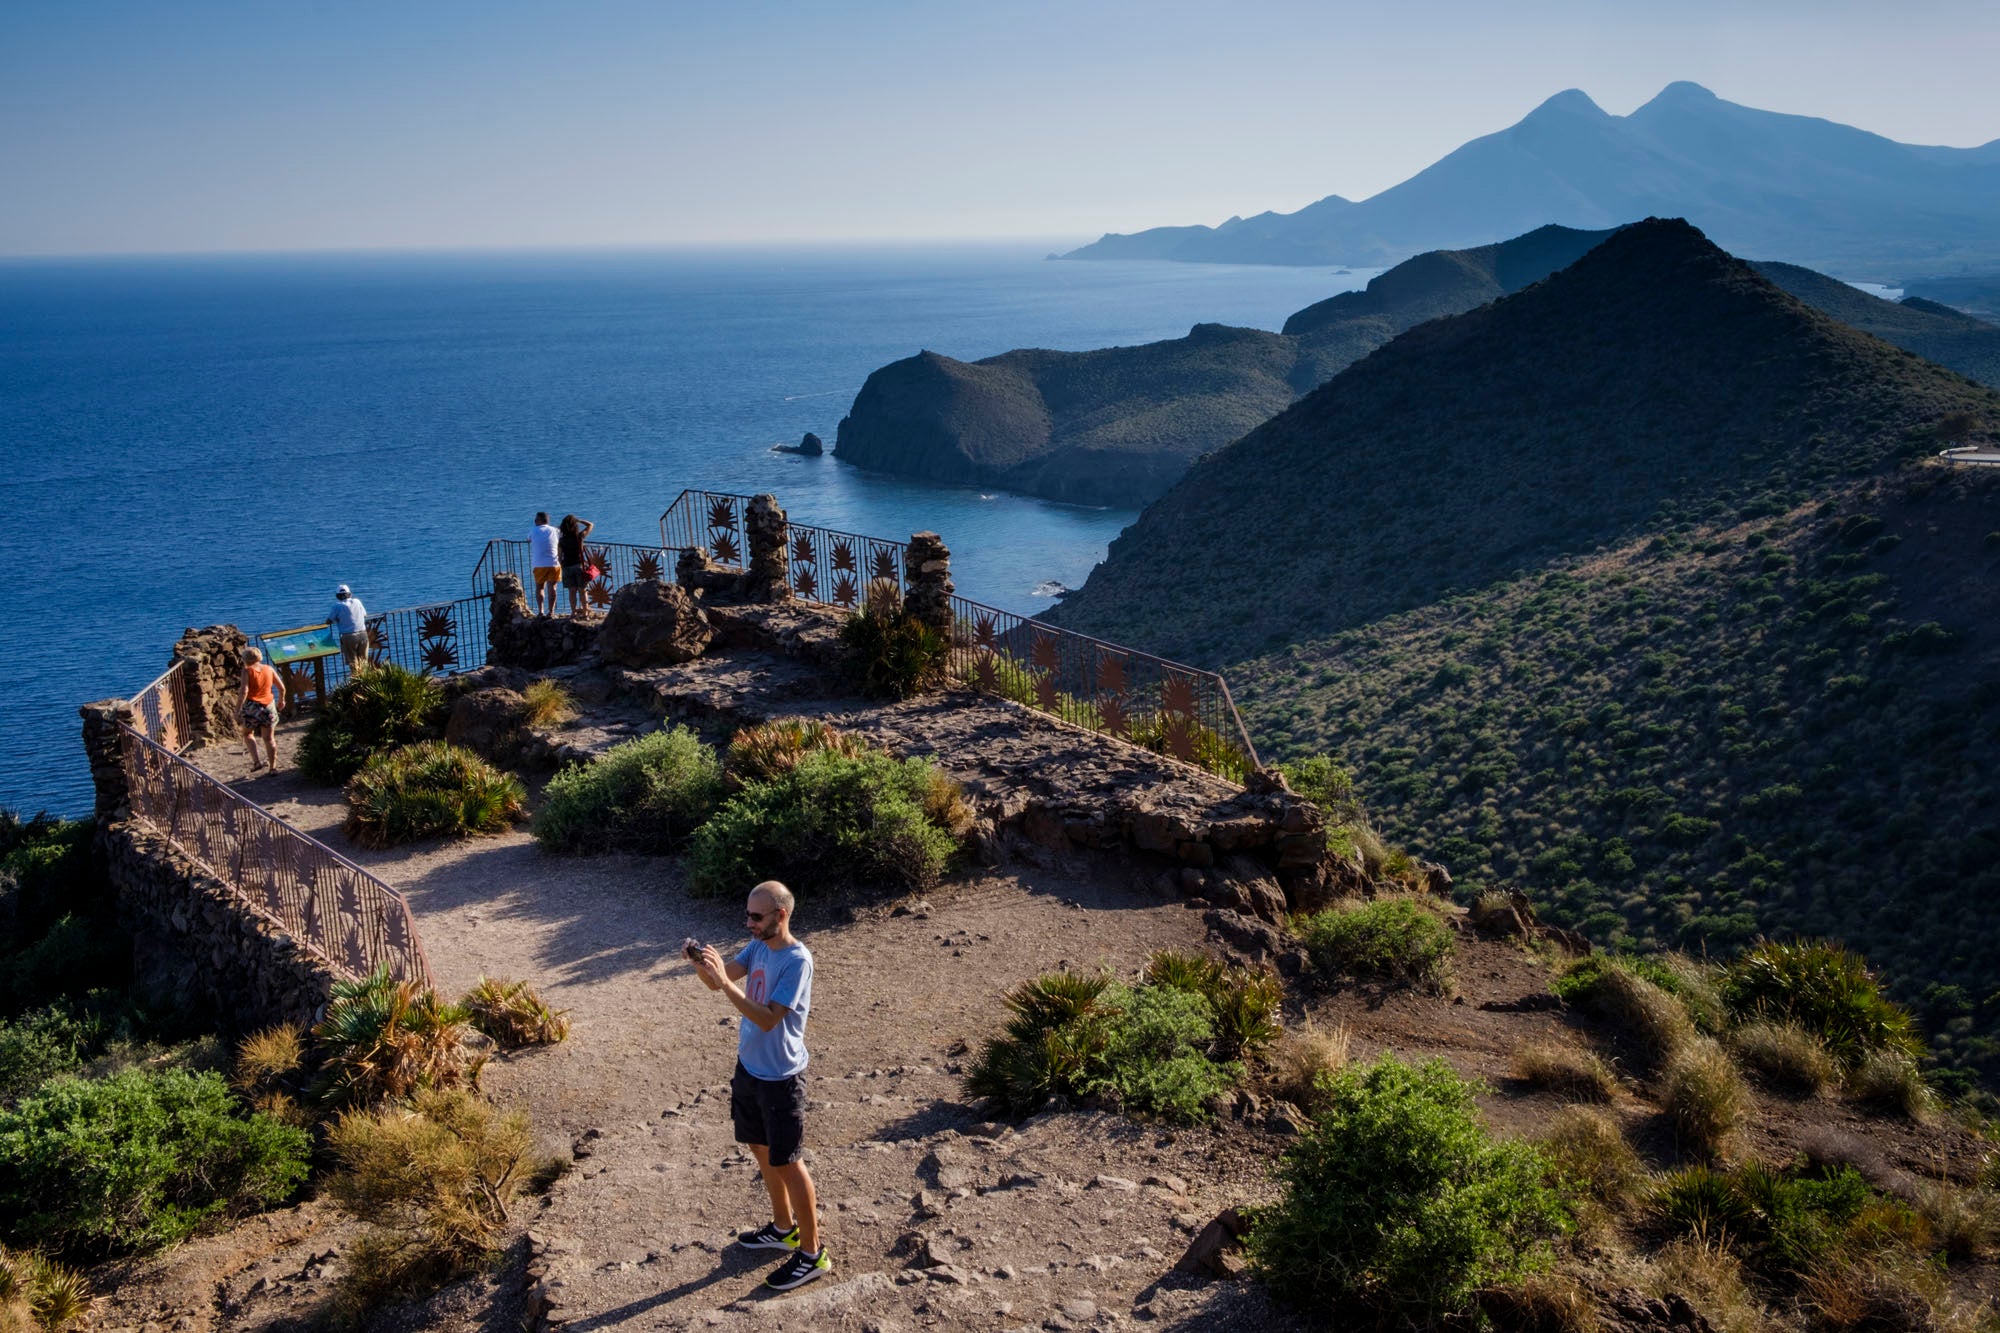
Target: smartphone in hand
column 691, row 949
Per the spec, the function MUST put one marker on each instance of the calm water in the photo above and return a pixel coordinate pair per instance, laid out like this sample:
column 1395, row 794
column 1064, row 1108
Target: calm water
column 194, row 441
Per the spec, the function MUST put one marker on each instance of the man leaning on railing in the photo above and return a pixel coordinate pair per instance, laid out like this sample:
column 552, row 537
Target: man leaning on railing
column 349, row 619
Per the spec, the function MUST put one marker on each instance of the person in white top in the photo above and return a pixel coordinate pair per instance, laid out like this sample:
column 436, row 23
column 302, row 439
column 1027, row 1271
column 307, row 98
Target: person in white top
column 349, row 619
column 542, row 559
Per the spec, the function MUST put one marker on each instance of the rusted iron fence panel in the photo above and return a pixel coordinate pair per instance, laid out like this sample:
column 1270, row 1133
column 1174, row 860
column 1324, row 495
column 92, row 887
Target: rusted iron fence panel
column 164, row 710
column 347, row 917
column 1177, row 710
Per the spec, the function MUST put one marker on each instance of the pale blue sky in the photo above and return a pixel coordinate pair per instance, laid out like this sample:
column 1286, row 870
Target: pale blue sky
column 335, row 124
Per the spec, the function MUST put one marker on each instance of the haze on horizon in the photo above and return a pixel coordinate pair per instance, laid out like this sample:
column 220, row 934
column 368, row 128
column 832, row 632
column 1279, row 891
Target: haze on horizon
column 241, row 126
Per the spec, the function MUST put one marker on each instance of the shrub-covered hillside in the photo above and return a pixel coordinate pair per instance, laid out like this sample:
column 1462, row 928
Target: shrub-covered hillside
column 1782, row 725
column 1640, row 591
column 1656, row 379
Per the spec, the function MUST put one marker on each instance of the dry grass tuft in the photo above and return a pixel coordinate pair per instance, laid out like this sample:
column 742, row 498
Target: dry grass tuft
column 1787, row 1055
column 1562, row 1068
column 1541, row 1303
column 513, row 1015
column 945, row 805
column 1964, row 1223
column 1704, row 1096
column 437, row 1179
column 1305, row 1060
column 264, row 1058
column 1890, row 1081
column 1871, row 1295
column 1588, row 1149
column 39, row 1295
column 1704, row 1271
column 550, row 704
column 1656, row 1019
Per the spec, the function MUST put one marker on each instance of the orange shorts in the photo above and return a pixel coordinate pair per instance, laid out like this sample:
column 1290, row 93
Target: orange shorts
column 547, row 574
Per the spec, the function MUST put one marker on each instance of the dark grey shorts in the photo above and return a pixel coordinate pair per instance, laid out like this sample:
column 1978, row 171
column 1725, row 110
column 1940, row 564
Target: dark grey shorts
column 769, row 1112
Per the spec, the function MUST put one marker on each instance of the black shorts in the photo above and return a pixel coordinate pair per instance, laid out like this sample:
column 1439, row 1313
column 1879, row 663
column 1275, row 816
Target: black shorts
column 769, row 1112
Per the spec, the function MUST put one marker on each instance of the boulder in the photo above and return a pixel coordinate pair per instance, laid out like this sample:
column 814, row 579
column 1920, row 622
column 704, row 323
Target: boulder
column 812, row 446
column 1257, row 890
column 1217, row 1249
column 488, row 722
column 653, row 624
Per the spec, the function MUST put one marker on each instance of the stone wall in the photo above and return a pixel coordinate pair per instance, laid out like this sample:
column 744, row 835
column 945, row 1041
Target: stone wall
column 215, row 679
column 927, row 581
column 517, row 637
column 768, row 576
column 197, row 950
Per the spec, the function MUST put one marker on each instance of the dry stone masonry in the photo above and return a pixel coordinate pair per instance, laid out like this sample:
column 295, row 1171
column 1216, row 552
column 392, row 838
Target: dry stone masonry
column 770, row 535
column 927, row 581
column 516, row 637
column 214, row 658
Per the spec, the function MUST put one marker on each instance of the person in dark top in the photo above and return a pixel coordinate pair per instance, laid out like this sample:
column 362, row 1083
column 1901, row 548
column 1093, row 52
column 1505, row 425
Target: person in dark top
column 575, row 561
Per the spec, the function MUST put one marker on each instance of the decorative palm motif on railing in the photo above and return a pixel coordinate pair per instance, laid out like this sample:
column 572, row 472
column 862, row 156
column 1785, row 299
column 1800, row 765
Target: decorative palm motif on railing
column 723, row 541
column 330, row 906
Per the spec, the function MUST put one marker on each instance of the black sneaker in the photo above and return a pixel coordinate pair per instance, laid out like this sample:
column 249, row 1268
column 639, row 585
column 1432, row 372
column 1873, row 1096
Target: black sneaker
column 798, row 1269
column 768, row 1237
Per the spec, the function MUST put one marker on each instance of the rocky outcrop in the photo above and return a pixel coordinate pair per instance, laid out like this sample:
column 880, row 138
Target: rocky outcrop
column 653, row 624
column 516, row 637
column 214, row 658
column 489, row 722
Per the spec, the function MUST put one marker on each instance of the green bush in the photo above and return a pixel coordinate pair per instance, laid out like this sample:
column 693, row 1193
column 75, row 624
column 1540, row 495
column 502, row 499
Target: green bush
column 1390, row 939
column 834, row 821
column 1783, row 1222
column 1398, row 1203
column 1078, row 1035
column 367, row 715
column 42, row 1045
column 1824, row 989
column 642, row 795
column 1242, row 1002
column 138, row 1161
column 772, row 749
column 425, row 789
column 383, row 1039
column 890, row 653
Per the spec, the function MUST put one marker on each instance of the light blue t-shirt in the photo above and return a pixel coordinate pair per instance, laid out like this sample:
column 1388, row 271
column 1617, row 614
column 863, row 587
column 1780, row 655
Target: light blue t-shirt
column 776, row 976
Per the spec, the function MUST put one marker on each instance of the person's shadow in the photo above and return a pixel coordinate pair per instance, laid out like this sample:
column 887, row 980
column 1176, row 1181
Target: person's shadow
column 734, row 1261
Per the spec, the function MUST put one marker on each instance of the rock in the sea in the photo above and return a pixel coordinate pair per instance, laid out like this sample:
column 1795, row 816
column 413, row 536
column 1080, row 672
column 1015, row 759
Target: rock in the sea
column 653, row 624
column 812, row 446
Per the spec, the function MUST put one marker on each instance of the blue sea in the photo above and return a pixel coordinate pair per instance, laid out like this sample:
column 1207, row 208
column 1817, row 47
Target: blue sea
column 195, row 440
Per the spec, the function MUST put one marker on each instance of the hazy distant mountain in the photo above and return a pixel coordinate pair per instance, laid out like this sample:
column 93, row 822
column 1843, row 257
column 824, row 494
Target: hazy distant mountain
column 1757, row 182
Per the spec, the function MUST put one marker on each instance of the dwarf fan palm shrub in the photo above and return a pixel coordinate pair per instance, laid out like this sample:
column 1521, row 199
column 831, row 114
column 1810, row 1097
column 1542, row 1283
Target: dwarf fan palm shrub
column 38, row 1293
column 384, row 1038
column 513, row 1015
column 1825, row 989
column 772, row 749
column 378, row 710
column 427, row 789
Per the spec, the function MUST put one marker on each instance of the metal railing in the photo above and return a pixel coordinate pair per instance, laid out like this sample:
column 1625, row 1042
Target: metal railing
column 1173, row 709
column 621, row 563
column 345, row 916
column 164, row 710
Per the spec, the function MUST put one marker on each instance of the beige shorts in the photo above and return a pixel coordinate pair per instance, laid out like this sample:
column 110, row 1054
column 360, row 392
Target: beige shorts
column 545, row 574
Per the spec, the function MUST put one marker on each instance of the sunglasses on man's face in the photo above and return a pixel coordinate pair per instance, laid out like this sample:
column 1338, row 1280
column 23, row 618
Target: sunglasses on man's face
column 756, row 917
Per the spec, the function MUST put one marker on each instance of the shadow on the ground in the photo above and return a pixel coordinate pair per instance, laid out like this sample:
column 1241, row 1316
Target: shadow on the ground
column 733, row 1262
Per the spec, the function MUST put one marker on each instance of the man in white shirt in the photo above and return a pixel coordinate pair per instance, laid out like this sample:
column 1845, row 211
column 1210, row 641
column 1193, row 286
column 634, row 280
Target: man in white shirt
column 349, row 619
column 542, row 559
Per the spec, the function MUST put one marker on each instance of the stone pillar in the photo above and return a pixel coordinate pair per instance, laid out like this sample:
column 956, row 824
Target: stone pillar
column 104, row 746
column 215, row 678
column 769, row 572
column 510, row 604
column 927, row 581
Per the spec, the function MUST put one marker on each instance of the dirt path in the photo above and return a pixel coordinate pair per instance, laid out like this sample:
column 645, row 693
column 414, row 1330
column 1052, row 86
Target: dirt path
column 637, row 1235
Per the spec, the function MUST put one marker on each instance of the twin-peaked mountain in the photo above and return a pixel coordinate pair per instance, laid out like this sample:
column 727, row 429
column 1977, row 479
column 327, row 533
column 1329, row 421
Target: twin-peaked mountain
column 1795, row 188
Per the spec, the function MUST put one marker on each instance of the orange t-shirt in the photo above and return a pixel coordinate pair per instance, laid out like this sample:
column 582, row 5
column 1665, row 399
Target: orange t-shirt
column 262, row 679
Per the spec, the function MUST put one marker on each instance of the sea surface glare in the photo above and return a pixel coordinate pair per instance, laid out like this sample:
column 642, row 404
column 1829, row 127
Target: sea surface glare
column 197, row 440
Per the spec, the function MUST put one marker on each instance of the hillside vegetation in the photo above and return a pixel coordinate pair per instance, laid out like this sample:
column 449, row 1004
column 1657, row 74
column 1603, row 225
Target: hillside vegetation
column 1119, row 425
column 1637, row 590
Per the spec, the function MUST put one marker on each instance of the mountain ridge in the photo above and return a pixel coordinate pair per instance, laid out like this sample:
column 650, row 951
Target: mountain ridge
column 1799, row 188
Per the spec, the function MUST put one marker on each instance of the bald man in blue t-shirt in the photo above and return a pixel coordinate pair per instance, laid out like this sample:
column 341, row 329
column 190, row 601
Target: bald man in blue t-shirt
column 770, row 983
